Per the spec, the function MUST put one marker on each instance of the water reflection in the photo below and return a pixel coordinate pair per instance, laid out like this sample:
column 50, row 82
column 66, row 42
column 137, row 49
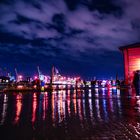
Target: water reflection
column 96, row 105
column 18, row 108
column 4, row 109
column 68, row 110
column 34, row 107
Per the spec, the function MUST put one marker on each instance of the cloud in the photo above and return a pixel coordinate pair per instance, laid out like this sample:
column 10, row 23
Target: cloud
column 67, row 28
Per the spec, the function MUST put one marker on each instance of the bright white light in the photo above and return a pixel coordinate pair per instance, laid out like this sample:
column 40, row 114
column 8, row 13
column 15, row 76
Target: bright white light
column 20, row 76
column 35, row 77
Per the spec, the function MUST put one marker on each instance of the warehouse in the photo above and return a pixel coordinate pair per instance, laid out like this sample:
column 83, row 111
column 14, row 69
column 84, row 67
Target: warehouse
column 131, row 55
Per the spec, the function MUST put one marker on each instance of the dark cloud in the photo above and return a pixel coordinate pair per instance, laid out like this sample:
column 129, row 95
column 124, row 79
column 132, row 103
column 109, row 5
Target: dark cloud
column 23, row 20
column 59, row 22
column 136, row 24
column 72, row 4
column 74, row 34
column 105, row 6
column 4, row 1
column 8, row 38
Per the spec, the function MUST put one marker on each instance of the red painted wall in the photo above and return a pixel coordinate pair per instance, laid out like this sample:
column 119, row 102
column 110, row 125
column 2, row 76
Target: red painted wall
column 131, row 63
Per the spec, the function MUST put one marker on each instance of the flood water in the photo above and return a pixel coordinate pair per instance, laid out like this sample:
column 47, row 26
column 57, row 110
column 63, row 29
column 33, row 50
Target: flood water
column 100, row 114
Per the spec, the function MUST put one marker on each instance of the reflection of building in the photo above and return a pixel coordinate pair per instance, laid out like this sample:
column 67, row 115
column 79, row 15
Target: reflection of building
column 131, row 55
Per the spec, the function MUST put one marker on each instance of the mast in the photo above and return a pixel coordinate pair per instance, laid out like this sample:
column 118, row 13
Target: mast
column 52, row 78
column 38, row 69
column 52, row 74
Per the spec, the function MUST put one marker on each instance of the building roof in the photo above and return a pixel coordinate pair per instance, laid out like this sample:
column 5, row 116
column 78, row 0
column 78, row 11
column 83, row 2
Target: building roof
column 136, row 45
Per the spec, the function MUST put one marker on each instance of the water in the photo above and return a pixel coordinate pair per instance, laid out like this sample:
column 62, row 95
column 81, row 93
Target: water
column 99, row 114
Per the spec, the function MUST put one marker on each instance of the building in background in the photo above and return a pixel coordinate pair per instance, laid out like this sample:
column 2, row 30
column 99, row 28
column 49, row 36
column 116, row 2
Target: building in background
column 4, row 79
column 131, row 54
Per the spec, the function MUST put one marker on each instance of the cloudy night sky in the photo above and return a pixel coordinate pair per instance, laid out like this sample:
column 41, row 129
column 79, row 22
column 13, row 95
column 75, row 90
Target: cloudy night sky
column 79, row 37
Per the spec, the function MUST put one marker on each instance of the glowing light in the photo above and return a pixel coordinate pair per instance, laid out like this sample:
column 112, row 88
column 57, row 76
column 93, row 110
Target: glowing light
column 98, row 109
column 42, row 88
column 35, row 77
column 103, row 83
column 89, row 95
column 114, row 88
column 118, row 92
column 20, row 76
column 44, row 107
column 35, row 86
column 41, row 77
column 18, row 108
column 138, row 64
column 34, row 107
column 4, row 109
column 61, row 106
column 20, row 86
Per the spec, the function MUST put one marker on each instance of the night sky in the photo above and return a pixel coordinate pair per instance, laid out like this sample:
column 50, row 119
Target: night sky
column 79, row 37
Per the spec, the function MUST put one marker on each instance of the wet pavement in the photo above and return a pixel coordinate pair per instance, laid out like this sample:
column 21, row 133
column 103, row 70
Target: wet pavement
column 98, row 114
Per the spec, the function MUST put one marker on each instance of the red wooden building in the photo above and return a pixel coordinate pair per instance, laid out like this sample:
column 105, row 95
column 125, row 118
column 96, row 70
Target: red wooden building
column 131, row 54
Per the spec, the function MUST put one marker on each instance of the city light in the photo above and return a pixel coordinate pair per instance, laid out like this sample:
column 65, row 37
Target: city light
column 20, row 86
column 35, row 77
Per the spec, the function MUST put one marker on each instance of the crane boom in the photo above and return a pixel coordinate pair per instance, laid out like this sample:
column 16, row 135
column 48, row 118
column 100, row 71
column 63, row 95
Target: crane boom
column 16, row 74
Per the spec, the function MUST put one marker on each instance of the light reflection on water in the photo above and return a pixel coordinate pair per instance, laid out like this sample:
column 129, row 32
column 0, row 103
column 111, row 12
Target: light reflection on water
column 4, row 109
column 18, row 108
column 66, row 111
